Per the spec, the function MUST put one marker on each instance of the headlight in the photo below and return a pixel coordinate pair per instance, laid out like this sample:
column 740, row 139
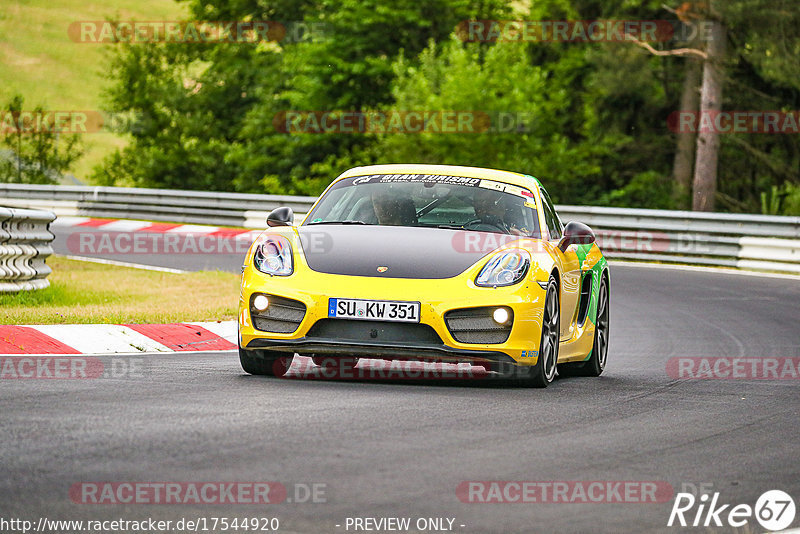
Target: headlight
column 274, row 256
column 504, row 269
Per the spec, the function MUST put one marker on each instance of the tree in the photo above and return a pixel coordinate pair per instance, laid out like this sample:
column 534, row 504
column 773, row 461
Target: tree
column 686, row 145
column 207, row 114
column 35, row 154
column 707, row 158
column 517, row 111
column 207, row 109
column 763, row 67
column 763, row 73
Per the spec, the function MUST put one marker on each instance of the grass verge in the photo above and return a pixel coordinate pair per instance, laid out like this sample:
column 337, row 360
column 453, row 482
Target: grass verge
column 83, row 292
column 41, row 62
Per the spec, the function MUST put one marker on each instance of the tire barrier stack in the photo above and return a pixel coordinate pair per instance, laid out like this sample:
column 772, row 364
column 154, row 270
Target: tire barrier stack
column 24, row 247
column 760, row 242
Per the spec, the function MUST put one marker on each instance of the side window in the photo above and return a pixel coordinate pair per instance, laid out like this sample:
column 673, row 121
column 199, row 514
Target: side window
column 550, row 217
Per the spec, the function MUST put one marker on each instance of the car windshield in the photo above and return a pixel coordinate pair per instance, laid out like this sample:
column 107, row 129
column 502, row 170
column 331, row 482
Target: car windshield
column 419, row 200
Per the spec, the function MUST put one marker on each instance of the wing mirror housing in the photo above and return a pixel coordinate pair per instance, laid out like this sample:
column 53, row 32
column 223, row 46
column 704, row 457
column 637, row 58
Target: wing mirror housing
column 576, row 233
column 282, row 216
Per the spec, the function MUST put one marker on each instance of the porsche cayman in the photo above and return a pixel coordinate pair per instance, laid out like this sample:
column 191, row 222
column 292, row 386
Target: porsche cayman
column 427, row 262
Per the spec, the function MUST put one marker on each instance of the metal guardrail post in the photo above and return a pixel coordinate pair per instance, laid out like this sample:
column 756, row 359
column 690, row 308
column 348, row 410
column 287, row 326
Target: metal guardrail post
column 24, row 247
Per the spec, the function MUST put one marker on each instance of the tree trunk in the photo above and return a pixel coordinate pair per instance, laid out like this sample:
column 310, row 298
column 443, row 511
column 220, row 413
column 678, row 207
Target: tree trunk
column 683, row 164
column 706, row 160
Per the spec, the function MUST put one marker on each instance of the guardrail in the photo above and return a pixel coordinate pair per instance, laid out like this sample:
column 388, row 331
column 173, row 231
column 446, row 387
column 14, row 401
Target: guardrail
column 192, row 207
column 24, row 248
column 760, row 242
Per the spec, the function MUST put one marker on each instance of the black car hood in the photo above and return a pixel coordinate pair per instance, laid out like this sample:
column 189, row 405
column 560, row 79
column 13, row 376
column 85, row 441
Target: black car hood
column 405, row 252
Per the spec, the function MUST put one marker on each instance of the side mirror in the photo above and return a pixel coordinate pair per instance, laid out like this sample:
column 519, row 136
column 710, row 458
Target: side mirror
column 576, row 233
column 280, row 217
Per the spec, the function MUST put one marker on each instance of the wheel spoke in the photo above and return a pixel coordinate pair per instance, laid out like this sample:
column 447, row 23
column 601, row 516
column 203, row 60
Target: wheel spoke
column 545, row 345
column 602, row 325
column 553, row 319
column 548, row 351
column 605, row 305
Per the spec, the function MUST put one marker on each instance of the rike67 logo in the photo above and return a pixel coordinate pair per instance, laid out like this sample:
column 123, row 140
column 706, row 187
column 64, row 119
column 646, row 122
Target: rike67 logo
column 774, row 510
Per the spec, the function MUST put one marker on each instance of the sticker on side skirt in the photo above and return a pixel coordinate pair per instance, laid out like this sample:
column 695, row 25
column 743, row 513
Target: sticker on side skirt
column 529, row 354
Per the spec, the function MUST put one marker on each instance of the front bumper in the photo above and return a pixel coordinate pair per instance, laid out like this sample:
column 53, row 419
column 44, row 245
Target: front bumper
column 392, row 351
column 436, row 296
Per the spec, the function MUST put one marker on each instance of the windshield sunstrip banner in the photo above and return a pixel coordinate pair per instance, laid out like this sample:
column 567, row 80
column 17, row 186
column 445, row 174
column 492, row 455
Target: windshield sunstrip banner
column 445, row 180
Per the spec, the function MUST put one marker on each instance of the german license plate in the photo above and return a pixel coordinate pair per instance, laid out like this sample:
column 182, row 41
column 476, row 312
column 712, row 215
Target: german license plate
column 374, row 310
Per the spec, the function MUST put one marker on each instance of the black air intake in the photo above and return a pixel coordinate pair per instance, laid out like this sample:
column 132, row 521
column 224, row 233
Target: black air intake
column 477, row 325
column 282, row 316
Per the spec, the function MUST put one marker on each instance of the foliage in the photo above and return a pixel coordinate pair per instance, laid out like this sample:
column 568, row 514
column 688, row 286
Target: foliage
column 592, row 116
column 525, row 103
column 39, row 156
column 783, row 200
column 763, row 74
column 40, row 60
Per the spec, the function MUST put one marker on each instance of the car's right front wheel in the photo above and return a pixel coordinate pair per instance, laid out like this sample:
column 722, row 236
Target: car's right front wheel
column 543, row 373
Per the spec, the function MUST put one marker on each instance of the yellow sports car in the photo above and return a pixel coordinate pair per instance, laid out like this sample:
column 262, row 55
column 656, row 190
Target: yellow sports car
column 427, row 262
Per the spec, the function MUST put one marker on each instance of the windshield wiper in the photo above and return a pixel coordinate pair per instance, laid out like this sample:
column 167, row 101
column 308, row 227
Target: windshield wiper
column 457, row 227
column 449, row 226
column 337, row 222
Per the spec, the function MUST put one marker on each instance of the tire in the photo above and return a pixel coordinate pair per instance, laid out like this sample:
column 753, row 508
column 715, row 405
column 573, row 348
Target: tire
column 596, row 363
column 265, row 363
column 342, row 363
column 543, row 373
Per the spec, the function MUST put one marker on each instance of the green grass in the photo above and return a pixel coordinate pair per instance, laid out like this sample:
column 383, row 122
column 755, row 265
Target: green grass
column 84, row 292
column 40, row 62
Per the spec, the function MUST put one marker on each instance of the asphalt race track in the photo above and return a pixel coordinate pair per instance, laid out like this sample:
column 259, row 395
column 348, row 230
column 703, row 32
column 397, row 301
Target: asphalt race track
column 400, row 449
column 189, row 262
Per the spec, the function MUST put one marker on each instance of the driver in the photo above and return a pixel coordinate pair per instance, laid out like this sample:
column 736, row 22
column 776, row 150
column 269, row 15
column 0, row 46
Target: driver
column 393, row 209
column 490, row 208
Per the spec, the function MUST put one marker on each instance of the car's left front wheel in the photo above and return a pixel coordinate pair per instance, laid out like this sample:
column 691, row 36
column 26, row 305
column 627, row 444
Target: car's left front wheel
column 598, row 356
column 264, row 362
